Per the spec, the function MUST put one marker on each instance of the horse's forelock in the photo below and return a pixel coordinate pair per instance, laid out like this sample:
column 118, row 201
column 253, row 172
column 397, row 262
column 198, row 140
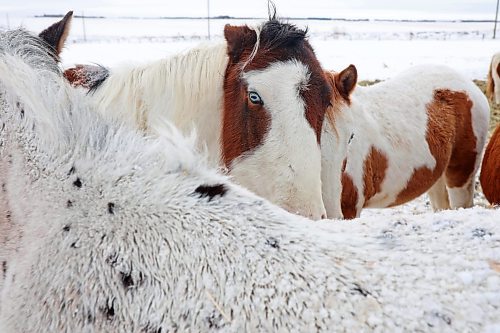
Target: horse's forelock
column 276, row 34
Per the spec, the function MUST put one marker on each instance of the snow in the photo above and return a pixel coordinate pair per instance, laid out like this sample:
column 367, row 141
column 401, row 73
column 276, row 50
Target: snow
column 379, row 49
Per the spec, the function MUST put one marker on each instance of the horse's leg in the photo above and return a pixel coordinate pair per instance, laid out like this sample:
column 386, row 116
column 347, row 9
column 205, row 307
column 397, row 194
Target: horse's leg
column 460, row 183
column 439, row 195
column 462, row 197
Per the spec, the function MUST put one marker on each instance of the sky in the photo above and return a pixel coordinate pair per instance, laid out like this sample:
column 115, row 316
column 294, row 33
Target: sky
column 381, row 9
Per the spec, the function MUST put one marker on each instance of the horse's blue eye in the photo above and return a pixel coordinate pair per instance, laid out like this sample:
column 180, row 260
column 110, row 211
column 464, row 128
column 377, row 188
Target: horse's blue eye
column 255, row 98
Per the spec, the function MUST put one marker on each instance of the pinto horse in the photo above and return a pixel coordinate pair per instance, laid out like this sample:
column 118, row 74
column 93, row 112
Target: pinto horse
column 493, row 82
column 490, row 169
column 422, row 131
column 120, row 232
column 257, row 102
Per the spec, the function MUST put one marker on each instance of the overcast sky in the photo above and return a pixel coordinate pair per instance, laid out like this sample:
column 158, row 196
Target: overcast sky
column 404, row 9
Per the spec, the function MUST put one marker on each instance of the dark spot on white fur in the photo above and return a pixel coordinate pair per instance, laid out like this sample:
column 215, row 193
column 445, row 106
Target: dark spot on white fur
column 481, row 233
column 4, row 188
column 109, row 309
column 111, row 207
column 434, row 317
column 8, row 215
column 74, row 245
column 273, row 242
column 214, row 320
column 72, row 170
column 22, row 113
column 69, row 204
column 357, row 288
column 4, row 268
column 127, row 280
column 211, row 191
column 153, row 329
column 77, row 183
column 112, row 259
column 66, row 228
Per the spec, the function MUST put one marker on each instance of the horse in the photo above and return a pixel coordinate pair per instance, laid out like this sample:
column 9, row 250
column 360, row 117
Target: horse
column 120, row 232
column 421, row 131
column 257, row 102
column 490, row 169
column 493, row 82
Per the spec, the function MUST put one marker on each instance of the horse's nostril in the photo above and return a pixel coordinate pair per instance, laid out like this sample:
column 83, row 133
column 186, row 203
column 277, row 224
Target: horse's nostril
column 323, row 216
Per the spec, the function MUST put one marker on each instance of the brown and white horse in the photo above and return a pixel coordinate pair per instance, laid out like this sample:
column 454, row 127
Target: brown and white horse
column 384, row 145
column 493, row 83
column 490, row 169
column 257, row 102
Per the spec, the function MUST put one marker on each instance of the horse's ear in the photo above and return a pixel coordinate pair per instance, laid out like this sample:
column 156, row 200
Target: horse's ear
column 346, row 81
column 238, row 38
column 57, row 33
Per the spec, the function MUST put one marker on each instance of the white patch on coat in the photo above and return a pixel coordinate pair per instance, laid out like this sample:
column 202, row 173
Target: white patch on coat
column 286, row 167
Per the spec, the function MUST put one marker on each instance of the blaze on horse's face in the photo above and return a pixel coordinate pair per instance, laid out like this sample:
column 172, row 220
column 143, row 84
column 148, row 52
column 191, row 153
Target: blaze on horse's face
column 275, row 99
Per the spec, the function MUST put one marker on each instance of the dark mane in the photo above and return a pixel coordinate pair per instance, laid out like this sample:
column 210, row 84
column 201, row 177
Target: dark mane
column 276, row 34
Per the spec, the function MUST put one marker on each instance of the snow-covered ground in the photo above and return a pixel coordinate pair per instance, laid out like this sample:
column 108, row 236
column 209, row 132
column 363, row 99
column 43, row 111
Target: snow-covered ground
column 379, row 49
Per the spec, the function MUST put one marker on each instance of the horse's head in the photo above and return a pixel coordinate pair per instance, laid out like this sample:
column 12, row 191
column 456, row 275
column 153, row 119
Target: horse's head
column 337, row 134
column 275, row 97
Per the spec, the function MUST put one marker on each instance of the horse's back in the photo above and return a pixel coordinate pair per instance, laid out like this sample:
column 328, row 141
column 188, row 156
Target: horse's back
column 490, row 170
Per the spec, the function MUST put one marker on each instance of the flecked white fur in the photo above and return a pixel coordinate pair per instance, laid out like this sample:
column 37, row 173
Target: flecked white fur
column 113, row 237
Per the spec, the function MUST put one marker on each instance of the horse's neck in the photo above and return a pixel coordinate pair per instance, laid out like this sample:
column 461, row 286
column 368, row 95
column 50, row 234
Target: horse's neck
column 186, row 90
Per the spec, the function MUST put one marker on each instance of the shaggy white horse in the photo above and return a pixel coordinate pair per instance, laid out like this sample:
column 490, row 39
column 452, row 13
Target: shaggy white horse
column 104, row 230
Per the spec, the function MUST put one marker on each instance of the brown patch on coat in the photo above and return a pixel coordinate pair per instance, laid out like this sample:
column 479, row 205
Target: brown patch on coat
column 464, row 154
column 77, row 76
column 349, row 197
column 494, row 265
column 246, row 124
column 374, row 169
column 490, row 170
column 451, row 142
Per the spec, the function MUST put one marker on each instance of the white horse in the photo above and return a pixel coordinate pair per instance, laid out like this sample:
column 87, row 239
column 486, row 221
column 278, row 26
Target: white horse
column 493, row 82
column 257, row 101
column 384, row 145
column 111, row 231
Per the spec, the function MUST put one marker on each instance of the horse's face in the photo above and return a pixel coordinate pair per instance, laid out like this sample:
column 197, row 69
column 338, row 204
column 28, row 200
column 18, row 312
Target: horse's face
column 275, row 99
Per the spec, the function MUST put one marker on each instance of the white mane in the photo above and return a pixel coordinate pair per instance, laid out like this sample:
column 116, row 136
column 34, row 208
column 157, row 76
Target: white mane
column 183, row 89
column 109, row 231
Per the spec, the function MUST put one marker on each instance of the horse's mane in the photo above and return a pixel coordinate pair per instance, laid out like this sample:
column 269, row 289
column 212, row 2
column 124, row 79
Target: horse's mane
column 130, row 92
